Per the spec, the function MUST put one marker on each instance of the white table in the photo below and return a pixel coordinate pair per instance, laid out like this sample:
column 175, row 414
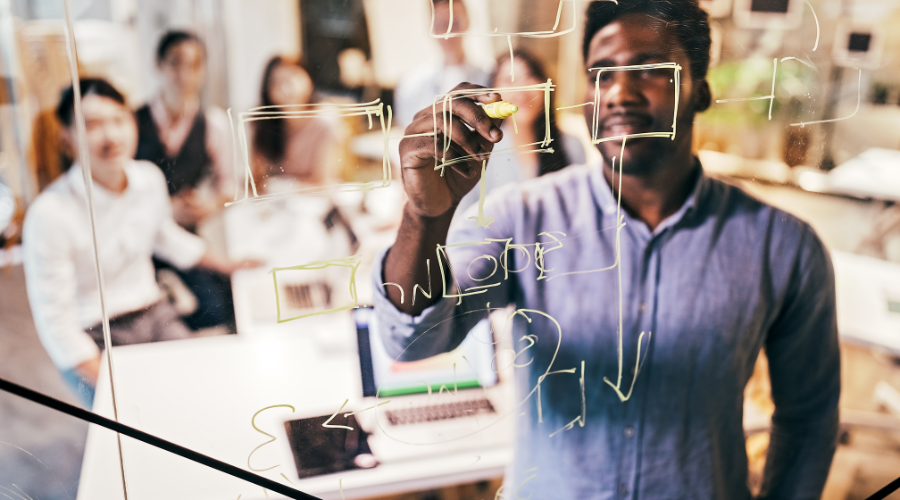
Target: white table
column 202, row 394
column 872, row 174
column 867, row 289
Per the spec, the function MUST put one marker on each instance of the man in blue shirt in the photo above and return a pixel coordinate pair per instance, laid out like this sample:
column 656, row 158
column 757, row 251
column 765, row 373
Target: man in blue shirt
column 643, row 295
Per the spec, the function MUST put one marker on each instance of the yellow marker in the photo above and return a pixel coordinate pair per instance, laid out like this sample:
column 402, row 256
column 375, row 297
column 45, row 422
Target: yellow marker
column 500, row 109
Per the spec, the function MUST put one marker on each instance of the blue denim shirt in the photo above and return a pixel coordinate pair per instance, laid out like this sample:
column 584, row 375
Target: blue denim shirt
column 715, row 282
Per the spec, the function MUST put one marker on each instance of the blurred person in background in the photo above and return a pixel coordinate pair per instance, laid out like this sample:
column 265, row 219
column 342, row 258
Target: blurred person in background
column 302, row 149
column 513, row 160
column 133, row 217
column 192, row 146
column 418, row 88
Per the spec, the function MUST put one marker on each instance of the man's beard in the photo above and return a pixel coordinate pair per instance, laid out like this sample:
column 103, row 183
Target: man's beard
column 639, row 159
column 646, row 155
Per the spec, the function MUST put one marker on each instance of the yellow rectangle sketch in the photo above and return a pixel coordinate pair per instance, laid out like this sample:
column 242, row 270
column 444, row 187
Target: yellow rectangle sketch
column 637, row 67
column 351, row 263
column 308, row 111
column 443, row 107
column 552, row 32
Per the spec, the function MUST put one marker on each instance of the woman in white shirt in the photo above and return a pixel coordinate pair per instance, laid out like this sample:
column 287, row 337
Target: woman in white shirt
column 133, row 219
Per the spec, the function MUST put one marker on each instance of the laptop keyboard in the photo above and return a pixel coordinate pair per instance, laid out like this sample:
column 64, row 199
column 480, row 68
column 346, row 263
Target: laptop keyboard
column 433, row 413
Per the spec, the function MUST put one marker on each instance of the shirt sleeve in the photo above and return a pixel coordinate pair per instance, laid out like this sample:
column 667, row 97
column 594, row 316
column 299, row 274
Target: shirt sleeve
column 173, row 243
column 220, row 148
column 51, row 283
column 804, row 367
column 476, row 284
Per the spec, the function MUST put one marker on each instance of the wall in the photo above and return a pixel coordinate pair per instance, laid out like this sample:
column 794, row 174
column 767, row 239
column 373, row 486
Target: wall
column 256, row 32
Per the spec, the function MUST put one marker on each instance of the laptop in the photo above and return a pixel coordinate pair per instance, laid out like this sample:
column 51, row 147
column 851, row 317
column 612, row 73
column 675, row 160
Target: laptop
column 452, row 402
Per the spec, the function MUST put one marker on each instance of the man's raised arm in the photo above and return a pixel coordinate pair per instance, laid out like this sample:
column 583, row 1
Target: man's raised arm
column 433, row 197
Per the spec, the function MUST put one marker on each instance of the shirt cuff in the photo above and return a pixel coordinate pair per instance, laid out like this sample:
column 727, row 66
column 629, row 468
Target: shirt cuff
column 194, row 250
column 398, row 329
column 71, row 352
column 186, row 249
column 383, row 303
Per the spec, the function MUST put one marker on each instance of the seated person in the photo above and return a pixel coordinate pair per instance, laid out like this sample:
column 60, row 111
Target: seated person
column 133, row 218
column 655, row 288
column 192, row 147
column 304, row 149
column 513, row 159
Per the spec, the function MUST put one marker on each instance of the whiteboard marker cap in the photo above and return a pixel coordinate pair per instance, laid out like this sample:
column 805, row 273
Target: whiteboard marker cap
column 500, row 109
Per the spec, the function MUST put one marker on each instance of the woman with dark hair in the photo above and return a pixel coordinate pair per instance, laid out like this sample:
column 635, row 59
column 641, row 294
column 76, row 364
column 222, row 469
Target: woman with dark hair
column 132, row 215
column 301, row 148
column 513, row 159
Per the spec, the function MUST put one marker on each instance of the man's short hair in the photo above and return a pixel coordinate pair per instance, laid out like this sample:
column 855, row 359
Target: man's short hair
column 689, row 22
column 65, row 110
column 173, row 38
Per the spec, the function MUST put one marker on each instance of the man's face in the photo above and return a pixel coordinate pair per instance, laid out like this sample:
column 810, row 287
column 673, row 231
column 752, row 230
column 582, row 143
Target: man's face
column 640, row 101
column 111, row 133
column 183, row 68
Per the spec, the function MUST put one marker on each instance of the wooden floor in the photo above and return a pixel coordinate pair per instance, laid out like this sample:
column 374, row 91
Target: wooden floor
column 40, row 449
column 870, row 459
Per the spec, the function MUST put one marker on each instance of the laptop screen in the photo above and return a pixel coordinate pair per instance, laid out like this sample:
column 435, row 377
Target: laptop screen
column 466, row 367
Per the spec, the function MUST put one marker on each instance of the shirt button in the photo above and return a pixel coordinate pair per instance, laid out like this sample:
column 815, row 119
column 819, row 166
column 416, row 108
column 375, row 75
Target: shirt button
column 643, row 306
column 629, row 431
column 623, row 490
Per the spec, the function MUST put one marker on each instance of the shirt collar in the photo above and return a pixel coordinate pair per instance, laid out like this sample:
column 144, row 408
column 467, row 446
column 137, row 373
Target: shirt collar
column 75, row 179
column 608, row 202
column 164, row 118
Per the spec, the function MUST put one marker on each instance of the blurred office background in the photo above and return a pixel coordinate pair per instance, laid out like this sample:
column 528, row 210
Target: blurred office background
column 842, row 176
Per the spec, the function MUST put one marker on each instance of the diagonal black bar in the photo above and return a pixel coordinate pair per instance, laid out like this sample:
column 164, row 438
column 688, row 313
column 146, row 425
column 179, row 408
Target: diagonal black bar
column 887, row 490
column 152, row 440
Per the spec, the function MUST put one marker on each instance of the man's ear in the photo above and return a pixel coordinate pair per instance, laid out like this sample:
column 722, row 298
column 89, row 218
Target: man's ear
column 702, row 96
